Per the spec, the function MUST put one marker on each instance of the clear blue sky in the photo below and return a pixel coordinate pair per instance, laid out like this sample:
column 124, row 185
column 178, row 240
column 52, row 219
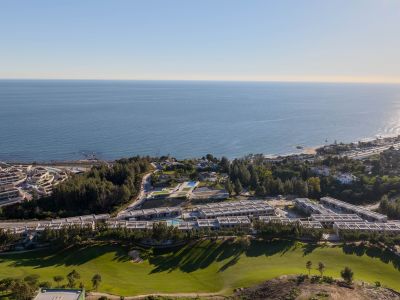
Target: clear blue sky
column 333, row 40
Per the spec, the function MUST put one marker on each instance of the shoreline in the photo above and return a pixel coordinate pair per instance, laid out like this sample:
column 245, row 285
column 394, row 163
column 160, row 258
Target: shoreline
column 304, row 150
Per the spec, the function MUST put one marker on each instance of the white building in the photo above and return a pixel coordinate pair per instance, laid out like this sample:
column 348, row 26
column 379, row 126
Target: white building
column 344, row 207
column 60, row 294
column 345, row 178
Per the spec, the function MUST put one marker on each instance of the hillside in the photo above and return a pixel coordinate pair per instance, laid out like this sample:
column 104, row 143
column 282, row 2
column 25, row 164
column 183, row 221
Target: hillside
column 287, row 288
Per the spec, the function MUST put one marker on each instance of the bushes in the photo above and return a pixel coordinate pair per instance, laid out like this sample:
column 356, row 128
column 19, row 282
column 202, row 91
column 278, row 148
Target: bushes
column 328, row 279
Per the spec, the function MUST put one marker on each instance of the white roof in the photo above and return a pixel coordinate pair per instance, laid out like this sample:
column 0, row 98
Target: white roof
column 58, row 294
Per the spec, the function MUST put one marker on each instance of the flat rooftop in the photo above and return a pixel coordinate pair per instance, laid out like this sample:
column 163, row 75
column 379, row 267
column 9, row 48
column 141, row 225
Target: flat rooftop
column 353, row 208
column 59, row 294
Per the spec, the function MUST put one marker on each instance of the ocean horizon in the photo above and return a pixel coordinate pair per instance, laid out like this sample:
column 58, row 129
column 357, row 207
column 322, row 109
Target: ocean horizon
column 44, row 120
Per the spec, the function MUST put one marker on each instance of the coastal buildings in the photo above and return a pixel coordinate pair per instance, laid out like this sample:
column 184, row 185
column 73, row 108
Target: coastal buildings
column 367, row 227
column 18, row 182
column 44, row 179
column 344, row 207
column 321, row 170
column 17, row 227
column 12, row 176
column 345, row 178
column 60, row 294
column 236, row 208
column 278, row 219
column 330, row 219
column 9, row 195
column 309, row 207
column 152, row 213
column 236, row 215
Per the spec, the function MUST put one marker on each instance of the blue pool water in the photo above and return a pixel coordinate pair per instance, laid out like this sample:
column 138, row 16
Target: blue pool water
column 173, row 222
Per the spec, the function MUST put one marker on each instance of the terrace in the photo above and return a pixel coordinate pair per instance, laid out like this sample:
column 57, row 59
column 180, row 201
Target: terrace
column 310, row 224
column 368, row 227
column 346, row 207
column 153, row 213
column 332, row 218
column 309, row 207
column 237, row 221
column 278, row 219
column 249, row 209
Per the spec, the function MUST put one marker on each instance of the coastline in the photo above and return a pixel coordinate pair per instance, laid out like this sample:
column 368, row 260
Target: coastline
column 305, row 150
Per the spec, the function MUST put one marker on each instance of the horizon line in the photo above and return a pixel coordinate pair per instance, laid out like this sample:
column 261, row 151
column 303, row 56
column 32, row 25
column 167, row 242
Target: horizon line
column 358, row 81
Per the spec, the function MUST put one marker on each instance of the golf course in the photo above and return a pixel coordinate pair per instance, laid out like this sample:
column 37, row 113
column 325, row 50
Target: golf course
column 204, row 266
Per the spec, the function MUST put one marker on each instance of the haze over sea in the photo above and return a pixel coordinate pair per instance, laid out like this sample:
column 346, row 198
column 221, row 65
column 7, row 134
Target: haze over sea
column 47, row 120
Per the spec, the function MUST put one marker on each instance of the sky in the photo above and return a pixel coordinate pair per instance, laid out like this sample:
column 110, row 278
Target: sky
column 249, row 40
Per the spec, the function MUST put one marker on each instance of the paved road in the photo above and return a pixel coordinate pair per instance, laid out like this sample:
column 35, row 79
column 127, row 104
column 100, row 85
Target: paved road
column 144, row 190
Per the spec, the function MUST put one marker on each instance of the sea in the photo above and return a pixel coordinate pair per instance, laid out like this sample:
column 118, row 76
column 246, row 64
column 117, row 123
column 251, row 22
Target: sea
column 46, row 120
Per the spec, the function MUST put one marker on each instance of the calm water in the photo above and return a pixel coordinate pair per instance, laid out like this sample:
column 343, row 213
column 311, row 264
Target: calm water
column 57, row 120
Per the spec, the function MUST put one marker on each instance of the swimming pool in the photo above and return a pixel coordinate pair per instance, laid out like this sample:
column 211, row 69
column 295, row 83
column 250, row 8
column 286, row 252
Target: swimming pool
column 191, row 184
column 174, row 222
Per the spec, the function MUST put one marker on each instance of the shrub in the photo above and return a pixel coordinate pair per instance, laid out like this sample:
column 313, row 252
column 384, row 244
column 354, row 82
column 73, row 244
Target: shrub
column 301, row 278
column 328, row 279
column 315, row 279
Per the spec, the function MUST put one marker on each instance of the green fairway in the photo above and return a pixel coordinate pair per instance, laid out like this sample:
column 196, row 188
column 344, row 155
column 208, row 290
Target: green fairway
column 203, row 267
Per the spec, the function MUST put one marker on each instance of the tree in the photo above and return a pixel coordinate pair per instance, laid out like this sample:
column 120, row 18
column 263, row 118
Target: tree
column 321, row 268
column 244, row 242
column 260, row 191
column 314, row 186
column 254, row 180
column 22, row 290
column 96, row 280
column 72, row 277
column 57, row 279
column 347, row 275
column 229, row 187
column 238, row 187
column 309, row 266
column 6, row 284
column 32, row 280
column 224, row 164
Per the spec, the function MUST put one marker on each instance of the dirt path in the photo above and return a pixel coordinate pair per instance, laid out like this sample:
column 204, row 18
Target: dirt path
column 96, row 295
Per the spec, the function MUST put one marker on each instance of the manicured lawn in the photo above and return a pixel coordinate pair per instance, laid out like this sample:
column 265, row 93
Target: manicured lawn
column 203, row 267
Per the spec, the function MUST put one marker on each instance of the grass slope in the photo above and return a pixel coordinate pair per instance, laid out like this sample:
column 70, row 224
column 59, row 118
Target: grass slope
column 203, row 267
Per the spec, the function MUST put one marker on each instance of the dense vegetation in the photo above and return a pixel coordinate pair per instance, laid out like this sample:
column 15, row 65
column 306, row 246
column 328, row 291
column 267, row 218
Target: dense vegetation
column 376, row 177
column 101, row 190
column 288, row 177
column 390, row 208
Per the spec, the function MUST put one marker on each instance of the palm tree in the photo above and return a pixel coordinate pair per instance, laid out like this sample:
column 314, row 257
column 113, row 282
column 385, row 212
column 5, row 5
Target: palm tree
column 72, row 277
column 57, row 279
column 96, row 279
column 321, row 268
column 309, row 266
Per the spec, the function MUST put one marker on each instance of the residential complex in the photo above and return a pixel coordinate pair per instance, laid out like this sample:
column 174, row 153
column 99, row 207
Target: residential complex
column 367, row 227
column 9, row 195
column 19, row 182
column 329, row 214
column 349, row 208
